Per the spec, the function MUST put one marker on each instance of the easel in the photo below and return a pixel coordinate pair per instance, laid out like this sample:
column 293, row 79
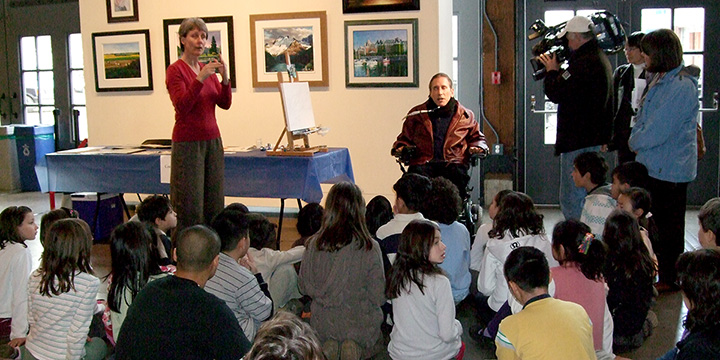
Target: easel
column 291, row 150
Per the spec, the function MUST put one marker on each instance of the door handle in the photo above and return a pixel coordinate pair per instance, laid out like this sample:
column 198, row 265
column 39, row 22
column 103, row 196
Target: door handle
column 14, row 114
column 3, row 114
column 532, row 107
column 715, row 104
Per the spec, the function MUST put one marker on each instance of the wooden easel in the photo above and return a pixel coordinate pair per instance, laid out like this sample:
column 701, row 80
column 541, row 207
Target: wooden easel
column 291, row 150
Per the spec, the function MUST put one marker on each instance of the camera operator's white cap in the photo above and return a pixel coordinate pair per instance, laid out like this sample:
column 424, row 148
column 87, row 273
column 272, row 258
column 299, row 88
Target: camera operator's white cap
column 578, row 24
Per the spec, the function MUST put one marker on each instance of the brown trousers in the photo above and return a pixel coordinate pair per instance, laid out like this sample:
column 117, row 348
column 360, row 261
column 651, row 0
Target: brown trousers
column 197, row 176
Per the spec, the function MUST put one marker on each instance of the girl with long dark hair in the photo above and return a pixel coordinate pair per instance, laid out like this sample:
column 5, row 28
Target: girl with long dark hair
column 424, row 310
column 342, row 272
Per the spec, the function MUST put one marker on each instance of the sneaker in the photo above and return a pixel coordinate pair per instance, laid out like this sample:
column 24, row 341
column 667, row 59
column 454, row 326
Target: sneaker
column 331, row 349
column 350, row 350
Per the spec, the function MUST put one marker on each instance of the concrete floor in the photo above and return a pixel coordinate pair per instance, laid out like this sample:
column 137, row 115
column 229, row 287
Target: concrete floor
column 669, row 307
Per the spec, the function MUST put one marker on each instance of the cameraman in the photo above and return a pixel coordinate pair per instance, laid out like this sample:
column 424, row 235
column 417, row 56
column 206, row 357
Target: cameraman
column 583, row 92
column 444, row 133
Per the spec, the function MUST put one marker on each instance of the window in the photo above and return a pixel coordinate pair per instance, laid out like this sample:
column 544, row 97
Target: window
column 77, row 83
column 688, row 24
column 38, row 84
column 455, row 69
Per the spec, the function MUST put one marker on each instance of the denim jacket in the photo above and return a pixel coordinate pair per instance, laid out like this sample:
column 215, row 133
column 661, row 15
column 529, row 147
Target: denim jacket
column 665, row 136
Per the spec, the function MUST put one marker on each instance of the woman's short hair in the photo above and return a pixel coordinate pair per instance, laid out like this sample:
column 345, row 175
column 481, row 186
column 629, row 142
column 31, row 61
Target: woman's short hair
column 189, row 25
column 664, row 49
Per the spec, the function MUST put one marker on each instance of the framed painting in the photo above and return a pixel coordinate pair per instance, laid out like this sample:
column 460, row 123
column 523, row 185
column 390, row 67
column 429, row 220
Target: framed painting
column 299, row 38
column 122, row 11
column 360, row 6
column 122, row 60
column 381, row 53
column 220, row 42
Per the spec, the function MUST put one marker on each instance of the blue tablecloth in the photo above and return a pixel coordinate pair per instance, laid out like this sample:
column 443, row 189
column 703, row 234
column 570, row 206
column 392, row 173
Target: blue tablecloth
column 247, row 174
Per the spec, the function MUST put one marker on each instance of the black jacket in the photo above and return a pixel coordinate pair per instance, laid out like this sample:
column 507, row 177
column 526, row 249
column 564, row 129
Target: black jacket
column 583, row 93
column 623, row 85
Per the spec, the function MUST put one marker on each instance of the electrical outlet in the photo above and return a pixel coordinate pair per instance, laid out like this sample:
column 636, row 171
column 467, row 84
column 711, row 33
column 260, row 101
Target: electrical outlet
column 497, row 149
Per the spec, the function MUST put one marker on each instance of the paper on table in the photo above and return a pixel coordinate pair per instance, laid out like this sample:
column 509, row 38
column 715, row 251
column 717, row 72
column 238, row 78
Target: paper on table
column 164, row 169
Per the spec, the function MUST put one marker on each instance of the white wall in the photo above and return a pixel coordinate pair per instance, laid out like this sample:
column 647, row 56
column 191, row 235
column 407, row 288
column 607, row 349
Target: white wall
column 364, row 120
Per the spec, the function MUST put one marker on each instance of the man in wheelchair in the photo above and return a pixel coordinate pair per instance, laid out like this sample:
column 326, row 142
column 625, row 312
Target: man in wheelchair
column 440, row 136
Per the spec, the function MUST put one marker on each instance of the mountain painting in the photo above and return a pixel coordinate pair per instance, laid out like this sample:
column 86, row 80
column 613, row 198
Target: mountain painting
column 295, row 41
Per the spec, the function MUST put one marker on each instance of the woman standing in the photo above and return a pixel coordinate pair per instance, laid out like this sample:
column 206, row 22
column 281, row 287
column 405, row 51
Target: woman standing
column 197, row 167
column 342, row 272
column 665, row 141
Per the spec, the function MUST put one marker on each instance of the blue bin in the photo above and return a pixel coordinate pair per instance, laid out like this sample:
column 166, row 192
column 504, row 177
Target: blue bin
column 32, row 142
column 102, row 216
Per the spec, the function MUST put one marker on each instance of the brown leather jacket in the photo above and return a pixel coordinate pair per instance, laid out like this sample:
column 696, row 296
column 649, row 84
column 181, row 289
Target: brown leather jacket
column 463, row 133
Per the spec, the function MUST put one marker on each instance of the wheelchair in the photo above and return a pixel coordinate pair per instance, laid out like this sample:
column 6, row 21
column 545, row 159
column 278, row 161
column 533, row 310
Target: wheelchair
column 471, row 212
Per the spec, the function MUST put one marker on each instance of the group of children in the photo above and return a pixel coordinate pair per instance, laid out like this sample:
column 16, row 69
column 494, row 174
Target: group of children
column 429, row 268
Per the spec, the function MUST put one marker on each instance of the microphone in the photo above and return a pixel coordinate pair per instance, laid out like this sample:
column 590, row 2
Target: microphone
column 418, row 112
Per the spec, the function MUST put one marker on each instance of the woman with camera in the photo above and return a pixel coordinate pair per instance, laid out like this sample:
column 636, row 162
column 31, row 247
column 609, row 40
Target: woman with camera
column 197, row 166
column 665, row 141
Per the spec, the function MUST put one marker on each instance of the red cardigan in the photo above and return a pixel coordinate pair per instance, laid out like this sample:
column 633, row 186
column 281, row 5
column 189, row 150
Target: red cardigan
column 194, row 102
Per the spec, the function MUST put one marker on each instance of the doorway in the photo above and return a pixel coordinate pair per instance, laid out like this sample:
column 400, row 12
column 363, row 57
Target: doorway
column 539, row 173
column 41, row 76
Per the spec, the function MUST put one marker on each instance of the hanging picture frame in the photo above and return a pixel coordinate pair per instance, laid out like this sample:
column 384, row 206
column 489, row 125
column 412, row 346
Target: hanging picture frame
column 381, row 53
column 302, row 36
column 122, row 61
column 221, row 41
column 122, row 11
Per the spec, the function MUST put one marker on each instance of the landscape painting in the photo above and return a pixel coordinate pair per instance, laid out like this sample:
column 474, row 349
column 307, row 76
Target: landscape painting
column 220, row 42
column 381, row 53
column 296, row 42
column 122, row 60
column 298, row 37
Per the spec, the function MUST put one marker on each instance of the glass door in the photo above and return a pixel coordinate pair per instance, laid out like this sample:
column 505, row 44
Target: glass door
column 698, row 32
column 539, row 168
column 38, row 77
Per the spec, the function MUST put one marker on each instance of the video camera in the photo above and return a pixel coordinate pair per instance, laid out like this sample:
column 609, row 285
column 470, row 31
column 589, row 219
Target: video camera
column 608, row 32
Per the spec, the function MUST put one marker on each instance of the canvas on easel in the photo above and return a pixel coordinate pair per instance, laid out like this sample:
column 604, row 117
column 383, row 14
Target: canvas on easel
column 299, row 120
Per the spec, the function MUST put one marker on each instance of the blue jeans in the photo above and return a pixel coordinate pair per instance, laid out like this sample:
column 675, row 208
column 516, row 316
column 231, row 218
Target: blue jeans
column 572, row 198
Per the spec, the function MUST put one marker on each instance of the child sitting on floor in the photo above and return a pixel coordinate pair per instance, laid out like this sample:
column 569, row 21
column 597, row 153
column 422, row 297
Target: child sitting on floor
column 425, row 324
column 579, row 279
column 274, row 265
column 699, row 279
column 629, row 272
column 589, row 170
column 157, row 212
column 636, row 201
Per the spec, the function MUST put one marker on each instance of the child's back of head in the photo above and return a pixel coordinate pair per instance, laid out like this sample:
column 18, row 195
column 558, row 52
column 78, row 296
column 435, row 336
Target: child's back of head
column 378, row 212
column 629, row 174
column 517, row 215
column 443, row 202
column 309, row 219
column 67, row 250
column 593, row 163
column 153, row 208
column 412, row 189
column 574, row 243
column 627, row 254
column 261, row 231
